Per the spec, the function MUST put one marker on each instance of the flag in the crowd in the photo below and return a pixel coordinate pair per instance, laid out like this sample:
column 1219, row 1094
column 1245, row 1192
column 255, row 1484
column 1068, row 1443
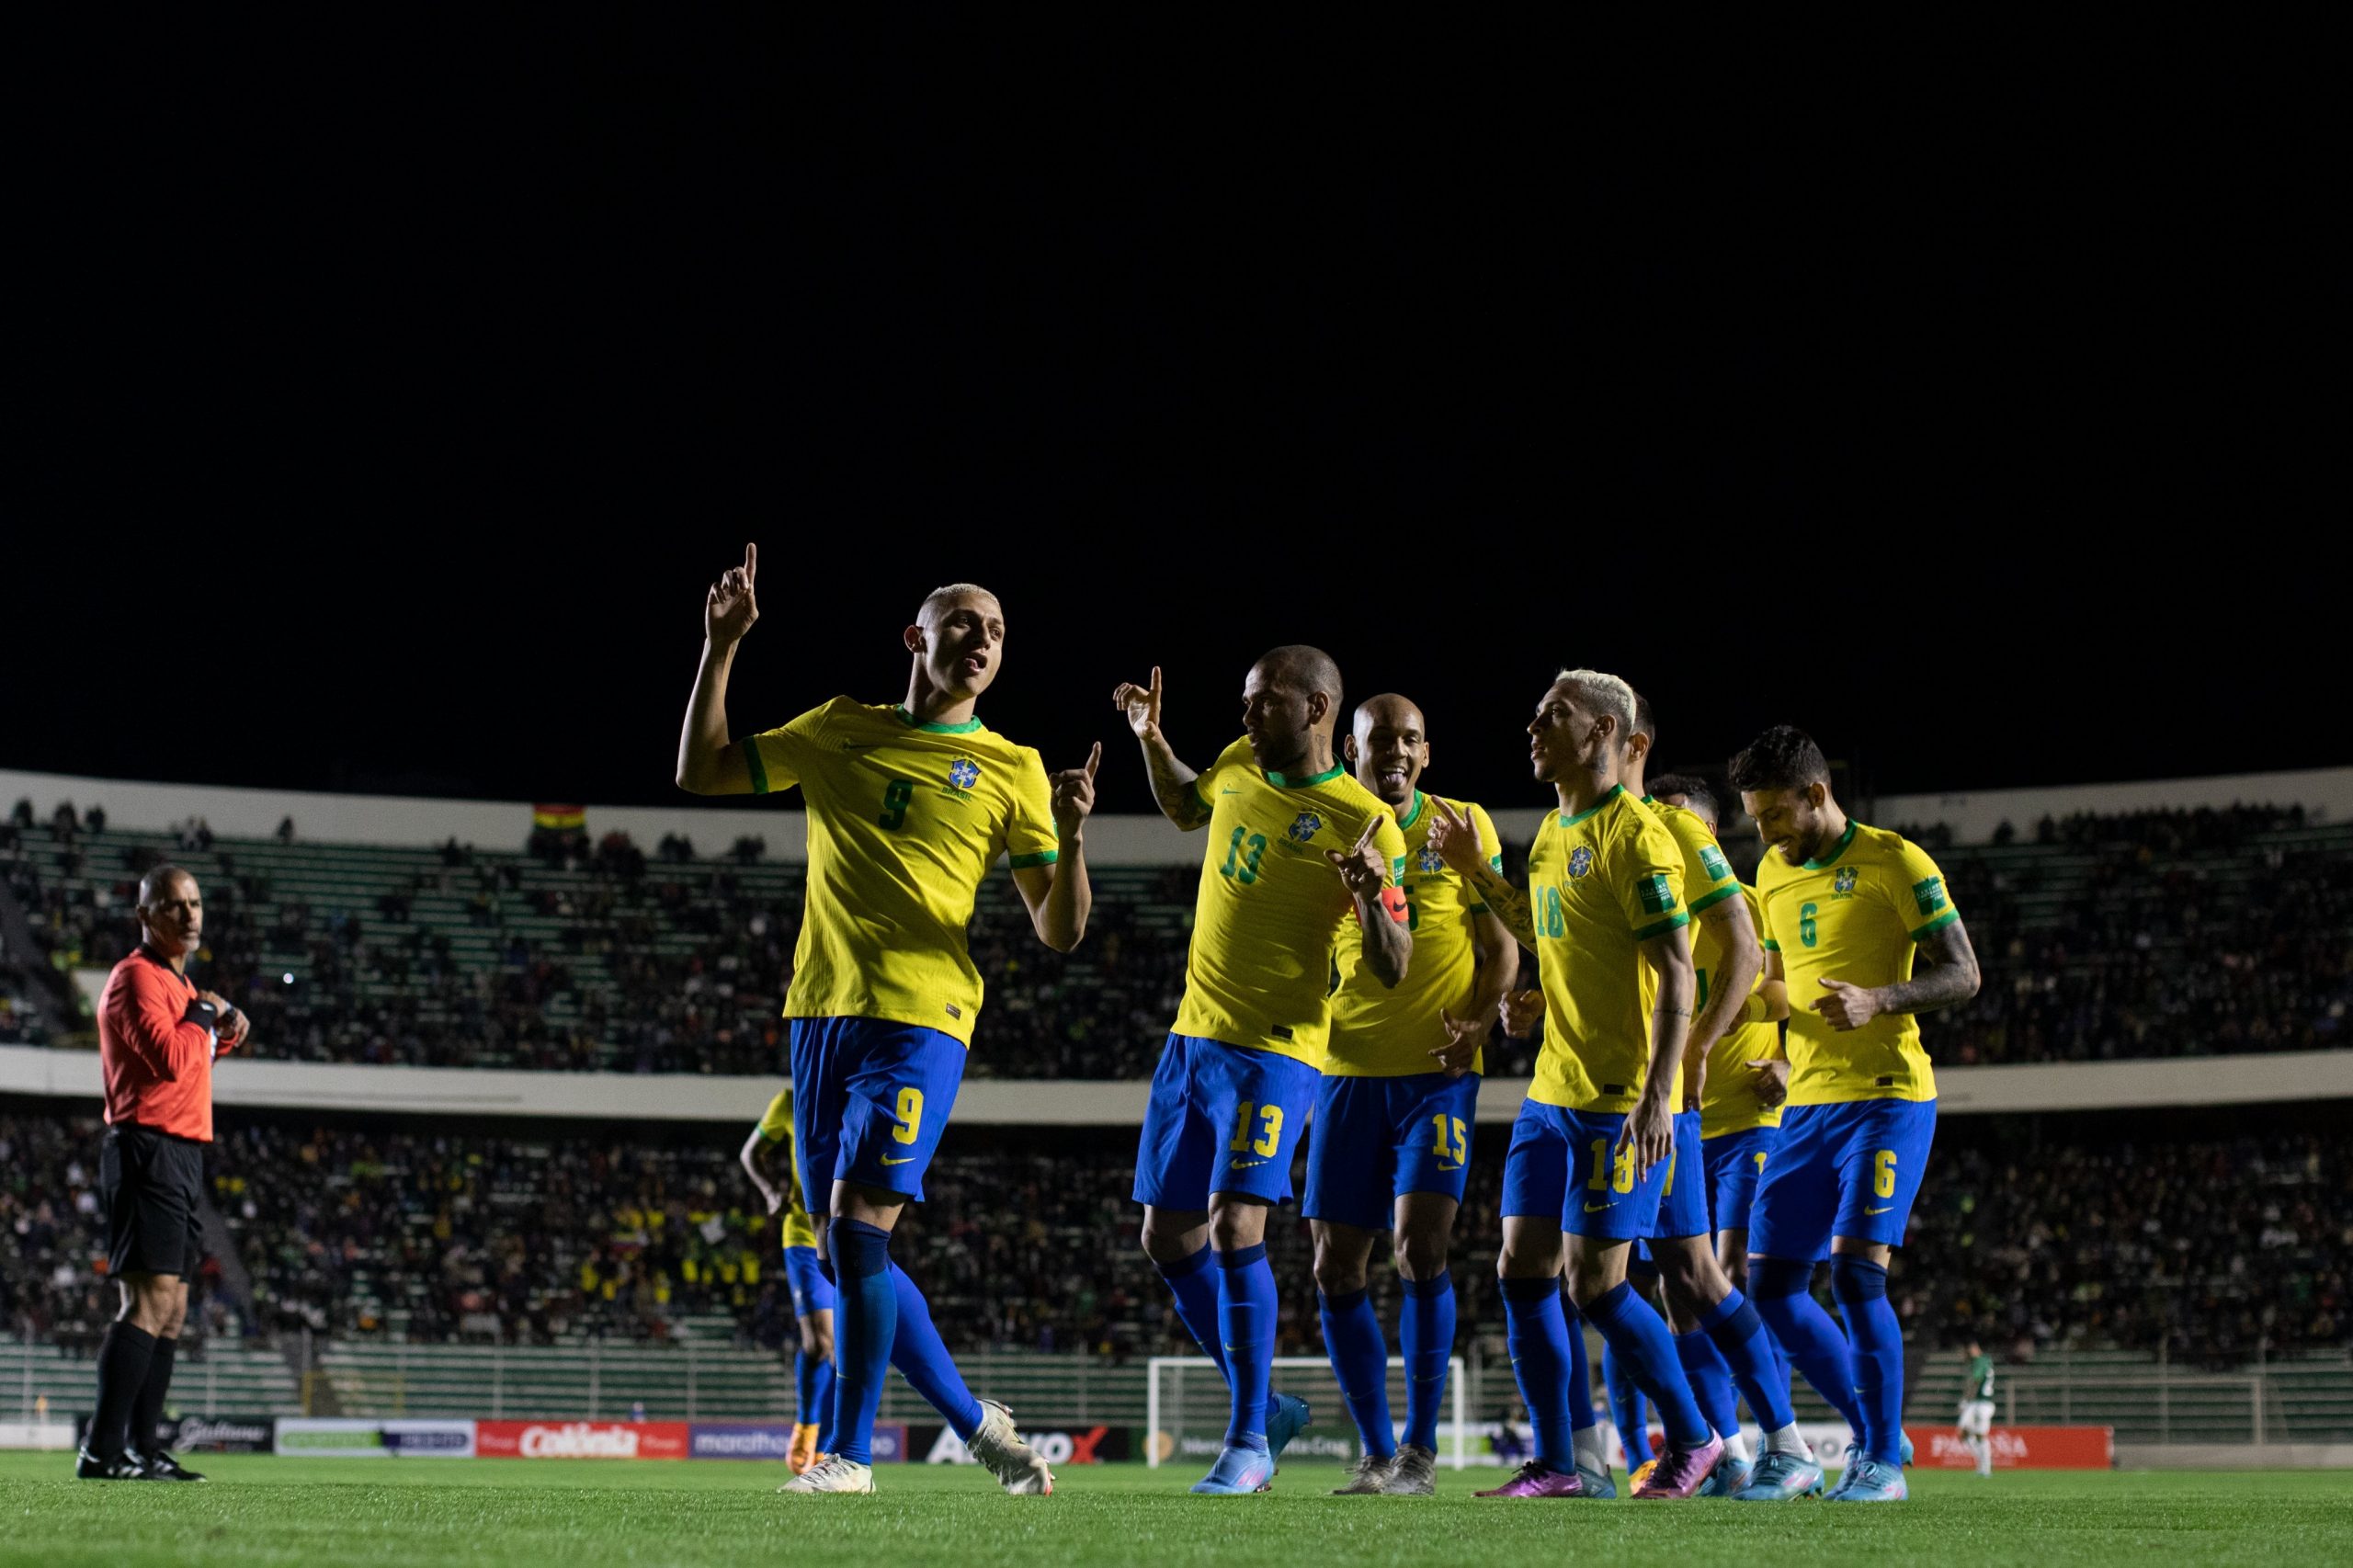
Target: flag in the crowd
column 558, row 816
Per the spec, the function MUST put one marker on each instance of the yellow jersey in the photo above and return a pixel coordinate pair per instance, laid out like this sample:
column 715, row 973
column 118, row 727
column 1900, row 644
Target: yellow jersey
column 1381, row 1032
column 1855, row 915
column 1707, row 880
column 1258, row 973
column 776, row 1127
column 1599, row 885
column 905, row 819
column 1728, row 1101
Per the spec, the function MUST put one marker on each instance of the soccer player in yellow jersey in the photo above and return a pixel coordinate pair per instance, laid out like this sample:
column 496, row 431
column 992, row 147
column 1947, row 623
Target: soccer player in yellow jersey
column 1846, row 907
column 769, row 1160
column 909, row 805
column 1588, row 1152
column 1391, row 1146
column 1239, row 1075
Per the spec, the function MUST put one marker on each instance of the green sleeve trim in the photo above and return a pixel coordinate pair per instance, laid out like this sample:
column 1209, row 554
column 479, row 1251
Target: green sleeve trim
column 759, row 769
column 1722, row 893
column 1661, row 927
column 1198, row 798
column 1023, row 862
column 1939, row 924
column 1771, row 946
column 1478, row 909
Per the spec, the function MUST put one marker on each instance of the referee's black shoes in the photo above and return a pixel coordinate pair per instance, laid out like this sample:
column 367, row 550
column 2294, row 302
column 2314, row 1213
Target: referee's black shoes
column 89, row 1466
column 161, row 1466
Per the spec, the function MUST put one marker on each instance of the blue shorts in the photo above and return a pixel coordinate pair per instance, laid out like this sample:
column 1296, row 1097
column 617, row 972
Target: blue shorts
column 870, row 1098
column 1683, row 1196
column 1735, row 1162
column 1377, row 1139
column 1221, row 1120
column 1564, row 1165
column 1850, row 1169
column 812, row 1292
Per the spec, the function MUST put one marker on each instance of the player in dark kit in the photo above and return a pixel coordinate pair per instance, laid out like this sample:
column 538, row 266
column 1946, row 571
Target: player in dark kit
column 157, row 1036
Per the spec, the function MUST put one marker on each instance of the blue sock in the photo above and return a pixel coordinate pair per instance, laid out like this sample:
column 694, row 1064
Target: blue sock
column 1537, row 1333
column 1710, row 1382
column 1194, row 1289
column 924, row 1362
column 804, row 1387
column 1625, row 1406
column 1747, row 1351
column 1581, row 1412
column 1780, row 1291
column 1860, row 1286
column 821, row 1400
column 1245, row 1320
column 1632, row 1327
column 866, row 1319
column 1361, row 1361
column 1425, row 1335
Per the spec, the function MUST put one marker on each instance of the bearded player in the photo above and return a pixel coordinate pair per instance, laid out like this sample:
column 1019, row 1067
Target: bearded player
column 909, row 805
column 1391, row 1147
column 769, row 1160
column 1847, row 909
column 1604, row 914
column 1241, row 1069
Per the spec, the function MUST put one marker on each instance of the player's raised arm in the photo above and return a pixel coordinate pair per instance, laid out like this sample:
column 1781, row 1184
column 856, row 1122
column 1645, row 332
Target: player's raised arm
column 1455, row 837
column 1952, row 979
column 1059, row 894
column 1380, row 907
column 708, row 763
column 1651, row 1126
column 1172, row 781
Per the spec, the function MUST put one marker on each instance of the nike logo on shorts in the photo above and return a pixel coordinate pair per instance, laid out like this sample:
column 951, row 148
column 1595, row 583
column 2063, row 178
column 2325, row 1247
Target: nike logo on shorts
column 903, row 1160
column 1878, row 1210
column 1242, row 1165
column 1598, row 1207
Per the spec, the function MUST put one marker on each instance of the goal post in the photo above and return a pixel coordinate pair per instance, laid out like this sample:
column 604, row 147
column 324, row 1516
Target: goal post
column 1187, row 1395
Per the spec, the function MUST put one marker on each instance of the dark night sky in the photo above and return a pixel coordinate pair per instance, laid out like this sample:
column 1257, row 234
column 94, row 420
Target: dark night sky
column 1971, row 415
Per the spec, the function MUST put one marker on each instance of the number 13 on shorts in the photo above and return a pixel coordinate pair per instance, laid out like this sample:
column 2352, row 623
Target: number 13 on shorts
column 1270, row 1116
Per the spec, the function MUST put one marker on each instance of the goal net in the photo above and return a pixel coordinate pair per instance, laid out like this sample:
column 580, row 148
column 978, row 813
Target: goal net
column 1185, row 1408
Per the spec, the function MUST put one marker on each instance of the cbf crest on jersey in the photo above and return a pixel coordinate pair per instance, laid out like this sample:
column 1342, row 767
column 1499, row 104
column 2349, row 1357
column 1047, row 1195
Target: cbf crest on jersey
column 1429, row 860
column 1844, row 883
column 963, row 773
column 1304, row 826
column 1580, row 861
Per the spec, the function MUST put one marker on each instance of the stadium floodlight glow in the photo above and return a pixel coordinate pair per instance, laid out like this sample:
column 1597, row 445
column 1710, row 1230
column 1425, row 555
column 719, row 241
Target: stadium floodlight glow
column 1199, row 1403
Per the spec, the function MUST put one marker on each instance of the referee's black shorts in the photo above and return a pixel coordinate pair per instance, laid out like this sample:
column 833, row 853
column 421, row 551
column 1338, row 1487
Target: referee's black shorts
column 152, row 1183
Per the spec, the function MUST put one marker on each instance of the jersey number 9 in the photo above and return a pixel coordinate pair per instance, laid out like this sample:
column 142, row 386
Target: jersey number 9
column 910, row 1117
column 896, row 797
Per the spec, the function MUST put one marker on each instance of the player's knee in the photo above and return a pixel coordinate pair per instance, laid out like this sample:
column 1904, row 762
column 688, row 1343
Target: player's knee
column 1338, row 1276
column 819, row 1339
column 1856, row 1280
column 859, row 1250
column 1236, row 1225
column 1169, row 1241
column 1771, row 1278
column 1420, row 1256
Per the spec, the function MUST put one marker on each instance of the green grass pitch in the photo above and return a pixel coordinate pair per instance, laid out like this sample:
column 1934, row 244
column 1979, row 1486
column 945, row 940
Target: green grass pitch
column 260, row 1510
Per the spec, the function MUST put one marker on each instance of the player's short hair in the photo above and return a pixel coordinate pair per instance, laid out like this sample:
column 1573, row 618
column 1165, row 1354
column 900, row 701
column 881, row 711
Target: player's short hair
column 1692, row 787
column 1646, row 722
column 940, row 598
column 157, row 879
column 1312, row 669
column 1597, row 692
column 1783, row 758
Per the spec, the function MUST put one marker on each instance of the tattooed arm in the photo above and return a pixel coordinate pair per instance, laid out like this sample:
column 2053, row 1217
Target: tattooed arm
column 1456, row 839
column 1952, row 978
column 1172, row 781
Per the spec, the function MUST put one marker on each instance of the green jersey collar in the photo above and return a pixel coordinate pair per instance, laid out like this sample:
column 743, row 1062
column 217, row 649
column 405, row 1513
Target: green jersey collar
column 1615, row 791
column 1410, row 818
column 1837, row 849
column 1285, row 781
column 912, row 723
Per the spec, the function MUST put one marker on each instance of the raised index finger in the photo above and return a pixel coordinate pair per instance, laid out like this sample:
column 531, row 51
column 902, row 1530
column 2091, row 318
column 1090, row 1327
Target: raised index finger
column 1370, row 829
column 1092, row 758
column 751, row 561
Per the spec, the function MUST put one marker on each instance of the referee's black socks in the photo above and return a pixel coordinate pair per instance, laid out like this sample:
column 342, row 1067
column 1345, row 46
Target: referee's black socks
column 125, row 1357
column 147, row 1410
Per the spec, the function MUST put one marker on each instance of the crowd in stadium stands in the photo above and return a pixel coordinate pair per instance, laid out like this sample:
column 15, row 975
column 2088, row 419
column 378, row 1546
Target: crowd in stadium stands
column 2152, row 933
column 2208, row 1248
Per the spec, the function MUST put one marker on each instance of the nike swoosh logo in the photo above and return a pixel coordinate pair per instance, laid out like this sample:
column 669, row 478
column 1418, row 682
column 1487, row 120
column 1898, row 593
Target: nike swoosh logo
column 1598, row 1207
column 859, row 746
column 1878, row 1210
column 1242, row 1165
column 908, row 1160
column 1230, row 789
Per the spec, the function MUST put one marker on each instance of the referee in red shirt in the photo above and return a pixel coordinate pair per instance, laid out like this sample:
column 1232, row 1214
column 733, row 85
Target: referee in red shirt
column 157, row 1036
